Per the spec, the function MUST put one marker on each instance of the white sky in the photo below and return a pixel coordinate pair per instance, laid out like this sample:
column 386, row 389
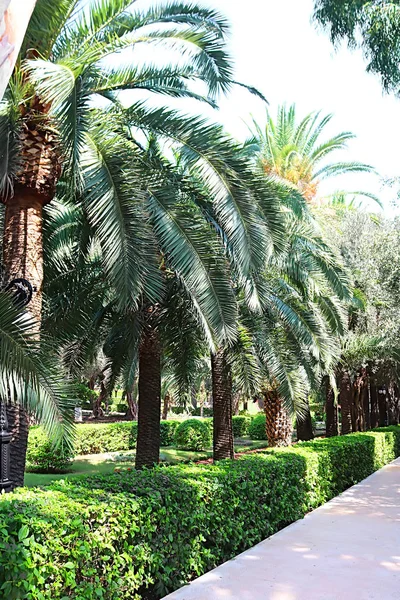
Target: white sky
column 279, row 50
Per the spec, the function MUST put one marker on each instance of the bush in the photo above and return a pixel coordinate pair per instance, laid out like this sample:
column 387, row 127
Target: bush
column 240, row 426
column 141, row 535
column 95, row 438
column 257, row 428
column 167, row 432
column 192, row 434
column 44, row 457
column 86, row 396
column 207, row 411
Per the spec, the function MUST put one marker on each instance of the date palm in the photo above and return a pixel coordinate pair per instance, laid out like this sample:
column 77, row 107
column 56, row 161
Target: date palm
column 297, row 151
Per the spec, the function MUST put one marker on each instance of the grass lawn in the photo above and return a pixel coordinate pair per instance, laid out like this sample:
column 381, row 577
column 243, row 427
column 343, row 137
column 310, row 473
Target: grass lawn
column 93, row 464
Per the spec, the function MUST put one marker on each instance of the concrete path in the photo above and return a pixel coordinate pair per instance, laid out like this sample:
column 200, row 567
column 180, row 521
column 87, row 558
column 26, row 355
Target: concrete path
column 349, row 549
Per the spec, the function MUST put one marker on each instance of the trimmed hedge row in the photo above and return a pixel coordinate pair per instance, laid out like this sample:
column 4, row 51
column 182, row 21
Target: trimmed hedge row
column 140, row 535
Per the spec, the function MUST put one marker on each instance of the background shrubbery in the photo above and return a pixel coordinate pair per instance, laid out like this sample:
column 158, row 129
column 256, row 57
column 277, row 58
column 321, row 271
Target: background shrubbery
column 257, row 428
column 45, row 457
column 142, row 534
column 193, row 434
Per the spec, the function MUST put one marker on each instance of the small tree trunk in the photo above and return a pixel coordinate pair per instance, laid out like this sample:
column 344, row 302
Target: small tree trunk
column 278, row 423
column 222, row 407
column 97, row 404
column 382, row 407
column 18, row 426
column 365, row 404
column 132, row 412
column 373, row 396
column 166, row 406
column 304, row 426
column 331, row 410
column 148, row 440
column 346, row 402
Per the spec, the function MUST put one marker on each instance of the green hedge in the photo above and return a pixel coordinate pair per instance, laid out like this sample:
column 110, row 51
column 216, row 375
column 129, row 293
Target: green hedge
column 193, row 434
column 140, row 535
column 240, row 426
column 91, row 438
column 44, row 457
column 257, row 428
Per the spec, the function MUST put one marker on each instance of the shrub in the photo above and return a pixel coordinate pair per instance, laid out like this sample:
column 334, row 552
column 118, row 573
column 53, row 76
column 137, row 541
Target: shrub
column 192, row 434
column 140, row 535
column 167, row 432
column 240, row 426
column 257, row 428
column 95, row 438
column 207, row 411
column 86, row 396
column 43, row 456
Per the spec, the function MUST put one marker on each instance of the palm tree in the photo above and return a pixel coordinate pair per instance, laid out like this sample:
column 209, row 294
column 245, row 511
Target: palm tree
column 293, row 150
column 63, row 91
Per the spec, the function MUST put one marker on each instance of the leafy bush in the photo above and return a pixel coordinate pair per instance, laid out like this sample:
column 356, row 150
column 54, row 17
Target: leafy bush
column 86, row 396
column 95, row 438
column 257, row 428
column 167, row 432
column 44, row 457
column 207, row 411
column 192, row 434
column 140, row 535
column 240, row 426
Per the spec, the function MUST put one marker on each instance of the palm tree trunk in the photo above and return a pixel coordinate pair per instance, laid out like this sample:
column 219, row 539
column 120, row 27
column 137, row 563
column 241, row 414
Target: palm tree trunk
column 23, row 258
column 18, row 426
column 382, row 407
column 132, row 412
column 365, row 404
column 222, row 407
column 304, row 426
column 166, row 406
column 148, row 440
column 331, row 410
column 278, row 424
column 373, row 395
column 346, row 402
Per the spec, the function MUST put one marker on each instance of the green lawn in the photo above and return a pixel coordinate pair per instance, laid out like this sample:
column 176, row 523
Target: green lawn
column 93, row 464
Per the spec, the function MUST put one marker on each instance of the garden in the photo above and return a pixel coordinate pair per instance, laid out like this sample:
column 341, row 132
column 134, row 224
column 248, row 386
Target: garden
column 198, row 345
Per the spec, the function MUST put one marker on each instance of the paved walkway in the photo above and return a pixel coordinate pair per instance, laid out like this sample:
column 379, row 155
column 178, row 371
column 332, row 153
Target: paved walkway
column 349, row 549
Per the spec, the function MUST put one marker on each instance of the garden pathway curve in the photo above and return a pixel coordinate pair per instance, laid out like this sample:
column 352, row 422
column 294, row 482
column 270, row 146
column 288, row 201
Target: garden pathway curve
column 348, row 549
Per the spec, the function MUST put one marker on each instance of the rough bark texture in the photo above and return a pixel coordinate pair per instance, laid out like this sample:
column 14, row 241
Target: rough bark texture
column 331, row 410
column 365, row 403
column 148, row 441
column 132, row 412
column 166, row 406
column 382, row 407
column 373, row 398
column 346, row 402
column 18, row 426
column 278, row 423
column 304, row 426
column 222, row 407
column 23, row 245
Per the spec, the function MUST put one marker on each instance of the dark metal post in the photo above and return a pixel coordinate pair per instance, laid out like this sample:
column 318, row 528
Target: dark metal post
column 5, row 439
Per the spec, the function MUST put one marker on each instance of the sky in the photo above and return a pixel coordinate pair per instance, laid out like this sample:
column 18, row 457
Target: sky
column 278, row 49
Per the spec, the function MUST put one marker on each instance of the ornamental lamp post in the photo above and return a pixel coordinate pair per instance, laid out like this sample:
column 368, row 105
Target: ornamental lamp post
column 21, row 291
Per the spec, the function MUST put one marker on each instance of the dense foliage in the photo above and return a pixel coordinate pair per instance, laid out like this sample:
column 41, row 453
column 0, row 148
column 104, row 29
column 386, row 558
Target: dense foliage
column 142, row 534
column 240, row 425
column 43, row 456
column 257, row 428
column 192, row 434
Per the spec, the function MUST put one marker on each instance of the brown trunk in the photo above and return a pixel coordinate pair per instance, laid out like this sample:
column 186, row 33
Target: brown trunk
column 278, row 424
column 18, row 426
column 331, row 410
column 365, row 404
column 166, row 406
column 382, row 407
column 148, row 441
column 132, row 412
column 222, row 407
column 392, row 405
column 304, row 426
column 346, row 402
column 373, row 398
column 97, row 404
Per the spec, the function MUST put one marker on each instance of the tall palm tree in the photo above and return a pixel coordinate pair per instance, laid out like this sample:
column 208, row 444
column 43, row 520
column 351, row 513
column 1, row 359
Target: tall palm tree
column 292, row 149
column 65, row 88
